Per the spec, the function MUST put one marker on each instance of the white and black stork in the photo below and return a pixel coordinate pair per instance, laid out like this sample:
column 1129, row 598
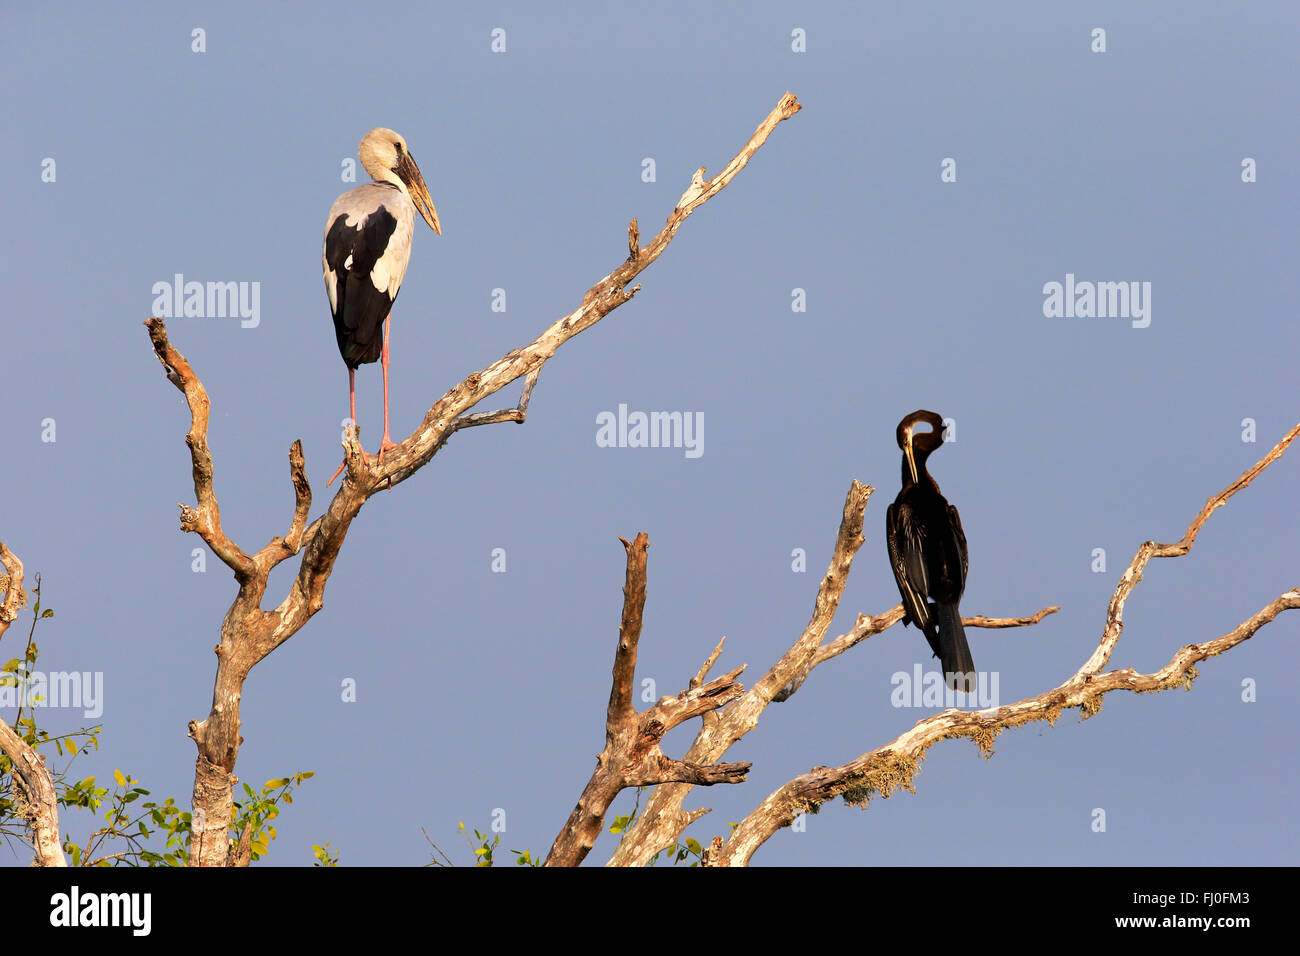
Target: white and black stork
column 367, row 248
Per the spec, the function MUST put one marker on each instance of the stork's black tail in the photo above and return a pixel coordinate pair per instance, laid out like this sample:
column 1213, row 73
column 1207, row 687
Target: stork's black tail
column 954, row 652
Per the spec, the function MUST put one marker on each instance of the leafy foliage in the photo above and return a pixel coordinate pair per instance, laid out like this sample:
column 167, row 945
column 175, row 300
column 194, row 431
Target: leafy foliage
column 483, row 849
column 262, row 807
column 128, row 831
column 679, row 852
column 325, row 856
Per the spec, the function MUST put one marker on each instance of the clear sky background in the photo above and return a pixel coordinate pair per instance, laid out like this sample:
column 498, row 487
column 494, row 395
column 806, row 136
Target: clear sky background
column 480, row 691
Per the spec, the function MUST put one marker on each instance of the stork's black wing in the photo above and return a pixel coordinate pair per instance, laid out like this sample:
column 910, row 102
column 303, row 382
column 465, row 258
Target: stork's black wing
column 359, row 307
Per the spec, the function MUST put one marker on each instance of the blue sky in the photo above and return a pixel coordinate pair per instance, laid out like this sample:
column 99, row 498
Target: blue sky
column 480, row 691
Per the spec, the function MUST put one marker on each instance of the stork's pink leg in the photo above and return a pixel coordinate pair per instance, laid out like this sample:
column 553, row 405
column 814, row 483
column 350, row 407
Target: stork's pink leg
column 352, row 411
column 385, row 443
column 352, row 395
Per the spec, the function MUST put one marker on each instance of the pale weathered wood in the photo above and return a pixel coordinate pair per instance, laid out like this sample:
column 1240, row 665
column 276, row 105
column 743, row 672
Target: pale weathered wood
column 868, row 626
column 249, row 633
column 632, row 756
column 889, row 767
column 893, row 766
column 35, row 785
column 664, row 819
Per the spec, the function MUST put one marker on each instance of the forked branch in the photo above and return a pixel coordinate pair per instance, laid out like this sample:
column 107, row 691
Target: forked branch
column 632, row 756
column 893, row 766
column 664, row 819
column 248, row 632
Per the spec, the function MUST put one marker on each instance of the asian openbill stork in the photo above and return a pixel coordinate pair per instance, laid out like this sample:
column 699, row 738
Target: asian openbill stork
column 927, row 550
column 367, row 248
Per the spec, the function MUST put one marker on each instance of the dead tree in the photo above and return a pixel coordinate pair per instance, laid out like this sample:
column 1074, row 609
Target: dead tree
column 892, row 766
column 249, row 632
column 632, row 756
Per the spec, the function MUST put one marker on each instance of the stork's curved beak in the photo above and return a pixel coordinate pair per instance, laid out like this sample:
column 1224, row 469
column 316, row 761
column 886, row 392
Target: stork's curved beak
column 410, row 174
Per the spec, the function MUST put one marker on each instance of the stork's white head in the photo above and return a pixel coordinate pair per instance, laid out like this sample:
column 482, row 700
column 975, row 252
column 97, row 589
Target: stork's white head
column 385, row 157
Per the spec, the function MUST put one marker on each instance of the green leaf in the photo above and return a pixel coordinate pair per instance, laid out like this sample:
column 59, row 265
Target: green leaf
column 277, row 782
column 11, row 666
column 49, row 612
column 121, row 780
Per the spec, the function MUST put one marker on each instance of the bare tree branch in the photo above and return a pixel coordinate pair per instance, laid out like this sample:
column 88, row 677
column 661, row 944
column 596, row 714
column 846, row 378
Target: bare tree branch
column 517, row 414
column 42, row 806
column 205, row 520
column 893, row 766
column 632, row 757
column 629, row 635
column 601, row 299
column 1150, row 549
column 281, row 548
column 664, row 819
column 33, row 777
column 249, row 633
column 979, row 620
column 703, row 672
column 868, row 626
column 12, row 595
